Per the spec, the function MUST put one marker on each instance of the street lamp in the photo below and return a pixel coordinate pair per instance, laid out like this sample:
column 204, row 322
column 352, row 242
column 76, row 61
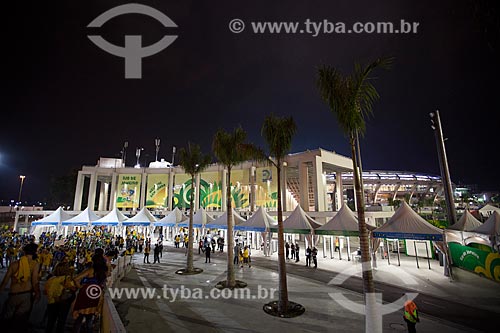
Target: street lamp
column 124, row 152
column 157, row 144
column 21, row 188
column 138, row 155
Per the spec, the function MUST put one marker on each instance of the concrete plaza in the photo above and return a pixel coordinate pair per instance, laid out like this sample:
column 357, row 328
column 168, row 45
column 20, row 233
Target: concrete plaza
column 307, row 286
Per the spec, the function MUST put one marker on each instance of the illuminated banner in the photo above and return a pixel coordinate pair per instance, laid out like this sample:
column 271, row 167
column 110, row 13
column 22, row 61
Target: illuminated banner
column 210, row 190
column 267, row 188
column 157, row 191
column 129, row 188
column 182, row 190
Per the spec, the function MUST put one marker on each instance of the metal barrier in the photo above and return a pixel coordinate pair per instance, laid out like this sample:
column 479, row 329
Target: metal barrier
column 110, row 320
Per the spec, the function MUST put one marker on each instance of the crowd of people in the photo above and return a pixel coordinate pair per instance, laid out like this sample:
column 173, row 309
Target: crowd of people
column 62, row 268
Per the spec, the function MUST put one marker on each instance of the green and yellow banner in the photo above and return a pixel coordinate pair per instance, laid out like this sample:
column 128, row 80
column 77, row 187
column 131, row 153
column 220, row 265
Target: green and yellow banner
column 129, row 188
column 157, row 191
column 484, row 263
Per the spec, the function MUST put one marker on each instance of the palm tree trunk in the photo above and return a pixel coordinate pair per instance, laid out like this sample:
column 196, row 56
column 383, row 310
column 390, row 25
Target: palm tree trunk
column 373, row 322
column 231, row 282
column 190, row 267
column 283, row 289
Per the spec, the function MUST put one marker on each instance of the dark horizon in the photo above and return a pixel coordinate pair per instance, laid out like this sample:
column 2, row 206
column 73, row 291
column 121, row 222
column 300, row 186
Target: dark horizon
column 66, row 102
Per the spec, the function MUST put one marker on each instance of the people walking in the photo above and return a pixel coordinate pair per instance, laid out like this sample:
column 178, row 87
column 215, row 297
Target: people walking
column 147, row 250
column 236, row 254
column 90, row 282
column 156, row 254
column 200, row 247
column 314, row 254
column 337, row 244
column 207, row 253
column 411, row 316
column 308, row 257
column 292, row 251
column 287, row 251
column 24, row 289
column 297, row 248
column 246, row 256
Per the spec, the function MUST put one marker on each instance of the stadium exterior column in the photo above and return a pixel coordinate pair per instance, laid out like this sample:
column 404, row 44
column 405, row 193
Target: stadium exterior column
column 171, row 184
column 92, row 190
column 112, row 197
column 339, row 193
column 77, row 204
column 304, row 186
column 319, row 187
column 142, row 197
column 197, row 192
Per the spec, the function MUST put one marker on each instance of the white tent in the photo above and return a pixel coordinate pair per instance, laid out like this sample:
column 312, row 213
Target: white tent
column 171, row 219
column 466, row 223
column 407, row 224
column 344, row 223
column 259, row 221
column 83, row 219
column 221, row 221
column 53, row 219
column 298, row 223
column 491, row 226
column 113, row 218
column 200, row 218
column 142, row 218
column 488, row 209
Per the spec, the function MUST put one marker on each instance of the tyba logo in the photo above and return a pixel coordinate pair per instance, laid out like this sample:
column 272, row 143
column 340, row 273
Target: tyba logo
column 133, row 52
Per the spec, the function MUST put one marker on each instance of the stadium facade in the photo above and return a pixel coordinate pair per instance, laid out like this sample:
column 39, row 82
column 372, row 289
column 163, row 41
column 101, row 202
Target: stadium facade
column 317, row 180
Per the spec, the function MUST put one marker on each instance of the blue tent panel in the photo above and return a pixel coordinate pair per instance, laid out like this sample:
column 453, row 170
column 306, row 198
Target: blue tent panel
column 400, row 235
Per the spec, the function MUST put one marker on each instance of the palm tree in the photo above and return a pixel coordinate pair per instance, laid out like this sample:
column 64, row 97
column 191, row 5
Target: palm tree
column 278, row 133
column 231, row 149
column 193, row 162
column 351, row 99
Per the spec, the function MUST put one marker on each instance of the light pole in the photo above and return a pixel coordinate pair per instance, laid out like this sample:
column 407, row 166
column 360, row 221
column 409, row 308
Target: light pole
column 20, row 188
column 124, row 152
column 173, row 155
column 157, row 144
column 445, row 178
column 138, row 155
column 443, row 165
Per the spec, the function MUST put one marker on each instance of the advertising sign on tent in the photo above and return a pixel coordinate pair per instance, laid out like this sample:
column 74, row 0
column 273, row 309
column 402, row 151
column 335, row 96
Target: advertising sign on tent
column 157, row 191
column 129, row 187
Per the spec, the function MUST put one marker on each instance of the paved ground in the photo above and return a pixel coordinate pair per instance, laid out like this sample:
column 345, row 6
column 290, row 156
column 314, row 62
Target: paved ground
column 307, row 286
column 469, row 303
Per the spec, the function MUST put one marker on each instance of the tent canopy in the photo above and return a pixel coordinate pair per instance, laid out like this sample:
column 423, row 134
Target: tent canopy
column 171, row 219
column 407, row 224
column 221, row 221
column 53, row 219
column 113, row 218
column 200, row 218
column 143, row 218
column 298, row 223
column 344, row 223
column 83, row 219
column 466, row 223
column 488, row 210
column 491, row 226
column 259, row 221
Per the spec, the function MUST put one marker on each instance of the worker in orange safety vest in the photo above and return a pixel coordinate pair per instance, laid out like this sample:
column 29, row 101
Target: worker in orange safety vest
column 411, row 316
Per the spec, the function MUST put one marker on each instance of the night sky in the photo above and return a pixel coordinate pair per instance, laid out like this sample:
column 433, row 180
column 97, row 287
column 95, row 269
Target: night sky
column 65, row 102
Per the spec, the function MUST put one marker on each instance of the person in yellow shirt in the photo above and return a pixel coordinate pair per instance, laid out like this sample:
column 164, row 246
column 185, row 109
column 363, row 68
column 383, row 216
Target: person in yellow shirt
column 60, row 290
column 246, row 257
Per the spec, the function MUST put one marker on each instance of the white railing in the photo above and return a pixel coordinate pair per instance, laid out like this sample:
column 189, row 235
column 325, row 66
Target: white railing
column 110, row 320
